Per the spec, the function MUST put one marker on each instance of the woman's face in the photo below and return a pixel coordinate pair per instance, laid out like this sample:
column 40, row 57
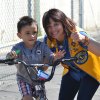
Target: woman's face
column 55, row 30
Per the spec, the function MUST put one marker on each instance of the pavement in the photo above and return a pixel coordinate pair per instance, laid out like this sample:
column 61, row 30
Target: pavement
column 10, row 90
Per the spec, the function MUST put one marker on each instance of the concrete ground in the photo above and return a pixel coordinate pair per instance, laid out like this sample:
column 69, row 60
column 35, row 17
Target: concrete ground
column 11, row 92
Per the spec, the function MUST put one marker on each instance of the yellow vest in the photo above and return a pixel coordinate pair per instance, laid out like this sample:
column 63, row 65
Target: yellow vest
column 91, row 66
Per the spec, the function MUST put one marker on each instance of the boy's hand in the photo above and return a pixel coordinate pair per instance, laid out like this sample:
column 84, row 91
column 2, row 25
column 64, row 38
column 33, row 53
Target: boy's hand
column 60, row 54
column 11, row 55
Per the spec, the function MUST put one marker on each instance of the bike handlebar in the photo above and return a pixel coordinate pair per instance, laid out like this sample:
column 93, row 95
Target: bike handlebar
column 17, row 61
column 79, row 58
column 6, row 60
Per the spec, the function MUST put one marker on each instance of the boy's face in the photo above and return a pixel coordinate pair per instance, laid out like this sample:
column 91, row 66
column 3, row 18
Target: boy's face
column 29, row 35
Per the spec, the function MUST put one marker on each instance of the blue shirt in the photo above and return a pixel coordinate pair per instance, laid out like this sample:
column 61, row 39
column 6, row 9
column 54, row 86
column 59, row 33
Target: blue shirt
column 39, row 54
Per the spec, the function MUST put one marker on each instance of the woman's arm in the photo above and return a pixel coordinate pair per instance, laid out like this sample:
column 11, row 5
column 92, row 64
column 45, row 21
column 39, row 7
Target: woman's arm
column 94, row 47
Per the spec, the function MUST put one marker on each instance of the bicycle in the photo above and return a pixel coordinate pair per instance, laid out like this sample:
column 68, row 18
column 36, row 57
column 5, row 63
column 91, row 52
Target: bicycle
column 39, row 90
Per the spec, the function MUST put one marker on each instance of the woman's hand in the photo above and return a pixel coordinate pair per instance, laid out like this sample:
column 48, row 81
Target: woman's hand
column 78, row 37
column 60, row 54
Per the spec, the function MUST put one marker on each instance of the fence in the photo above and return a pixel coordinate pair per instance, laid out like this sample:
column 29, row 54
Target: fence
column 12, row 10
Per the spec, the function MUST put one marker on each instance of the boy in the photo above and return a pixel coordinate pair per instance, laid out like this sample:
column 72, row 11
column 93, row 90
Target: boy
column 31, row 51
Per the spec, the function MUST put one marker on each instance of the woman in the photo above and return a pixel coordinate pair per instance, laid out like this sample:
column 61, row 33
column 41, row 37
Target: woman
column 59, row 29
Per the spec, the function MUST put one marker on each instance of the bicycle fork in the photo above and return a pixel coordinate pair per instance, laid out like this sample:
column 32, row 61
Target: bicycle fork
column 40, row 92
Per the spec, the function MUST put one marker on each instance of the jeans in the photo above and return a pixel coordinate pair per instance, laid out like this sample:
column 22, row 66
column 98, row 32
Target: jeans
column 85, row 88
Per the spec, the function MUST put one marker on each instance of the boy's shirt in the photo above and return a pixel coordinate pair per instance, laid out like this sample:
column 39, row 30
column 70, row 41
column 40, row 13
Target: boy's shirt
column 39, row 54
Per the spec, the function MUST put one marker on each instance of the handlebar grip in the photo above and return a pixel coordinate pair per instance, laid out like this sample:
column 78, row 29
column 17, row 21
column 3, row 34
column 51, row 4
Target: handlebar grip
column 5, row 60
column 2, row 61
